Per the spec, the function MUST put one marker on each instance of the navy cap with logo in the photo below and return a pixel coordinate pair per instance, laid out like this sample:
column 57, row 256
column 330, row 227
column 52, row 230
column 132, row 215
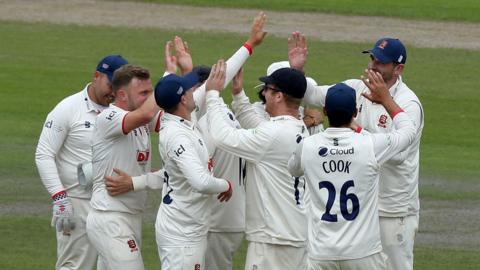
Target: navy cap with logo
column 340, row 98
column 171, row 88
column 109, row 64
column 388, row 50
column 288, row 80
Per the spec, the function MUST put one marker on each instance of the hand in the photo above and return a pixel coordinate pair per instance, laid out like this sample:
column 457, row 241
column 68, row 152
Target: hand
column 378, row 88
column 256, row 33
column 225, row 196
column 184, row 59
column 237, row 82
column 63, row 215
column 170, row 60
column 312, row 117
column 297, row 50
column 216, row 80
column 120, row 184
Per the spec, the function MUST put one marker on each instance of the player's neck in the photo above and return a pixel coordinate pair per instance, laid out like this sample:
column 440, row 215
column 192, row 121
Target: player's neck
column 182, row 112
column 90, row 93
column 122, row 105
column 284, row 110
column 392, row 82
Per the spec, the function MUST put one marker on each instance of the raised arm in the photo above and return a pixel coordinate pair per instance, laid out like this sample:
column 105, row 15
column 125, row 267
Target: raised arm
column 236, row 61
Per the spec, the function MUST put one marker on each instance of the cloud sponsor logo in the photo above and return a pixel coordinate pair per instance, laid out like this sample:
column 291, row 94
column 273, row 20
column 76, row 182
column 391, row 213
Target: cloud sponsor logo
column 324, row 151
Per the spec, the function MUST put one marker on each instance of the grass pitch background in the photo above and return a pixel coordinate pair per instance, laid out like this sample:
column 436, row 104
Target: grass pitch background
column 40, row 64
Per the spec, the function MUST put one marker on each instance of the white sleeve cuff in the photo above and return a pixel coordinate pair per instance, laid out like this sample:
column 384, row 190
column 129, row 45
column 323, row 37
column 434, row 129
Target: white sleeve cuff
column 139, row 182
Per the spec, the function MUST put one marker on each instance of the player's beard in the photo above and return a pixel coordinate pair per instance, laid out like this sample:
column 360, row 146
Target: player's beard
column 386, row 76
column 131, row 102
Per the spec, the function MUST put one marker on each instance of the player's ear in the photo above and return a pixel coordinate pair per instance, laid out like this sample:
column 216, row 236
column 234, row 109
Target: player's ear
column 183, row 99
column 398, row 69
column 355, row 113
column 96, row 76
column 121, row 94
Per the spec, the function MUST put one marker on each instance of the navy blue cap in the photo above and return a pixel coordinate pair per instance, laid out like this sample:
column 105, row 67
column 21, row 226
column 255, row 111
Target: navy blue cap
column 288, row 80
column 388, row 50
column 340, row 98
column 109, row 64
column 170, row 89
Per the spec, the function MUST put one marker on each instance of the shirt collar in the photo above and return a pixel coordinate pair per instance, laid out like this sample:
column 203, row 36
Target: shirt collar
column 178, row 119
column 393, row 90
column 336, row 130
column 283, row 117
column 89, row 104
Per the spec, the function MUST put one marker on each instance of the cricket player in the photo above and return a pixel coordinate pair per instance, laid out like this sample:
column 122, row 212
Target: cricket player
column 64, row 144
column 227, row 221
column 121, row 139
column 342, row 169
column 275, row 210
column 398, row 187
column 182, row 221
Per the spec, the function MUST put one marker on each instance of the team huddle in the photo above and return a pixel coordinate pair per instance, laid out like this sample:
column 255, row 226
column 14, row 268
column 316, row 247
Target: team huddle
column 303, row 197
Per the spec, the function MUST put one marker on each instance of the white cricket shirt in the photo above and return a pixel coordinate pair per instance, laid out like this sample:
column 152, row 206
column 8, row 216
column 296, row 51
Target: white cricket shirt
column 65, row 142
column 111, row 148
column 275, row 208
column 186, row 205
column 342, row 169
column 226, row 216
column 398, row 190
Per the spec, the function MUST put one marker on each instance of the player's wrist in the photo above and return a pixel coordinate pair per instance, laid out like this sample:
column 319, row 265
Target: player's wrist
column 229, row 186
column 59, row 195
column 249, row 46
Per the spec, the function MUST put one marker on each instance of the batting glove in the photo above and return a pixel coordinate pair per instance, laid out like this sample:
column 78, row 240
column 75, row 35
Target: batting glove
column 62, row 213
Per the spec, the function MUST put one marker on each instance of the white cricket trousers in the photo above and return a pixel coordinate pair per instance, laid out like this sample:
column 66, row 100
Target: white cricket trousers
column 221, row 246
column 75, row 251
column 398, row 236
column 189, row 256
column 117, row 238
column 263, row 256
column 377, row 261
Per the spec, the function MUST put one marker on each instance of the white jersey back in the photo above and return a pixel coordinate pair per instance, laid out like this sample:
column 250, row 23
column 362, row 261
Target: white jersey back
column 275, row 208
column 111, row 148
column 343, row 221
column 186, row 204
column 226, row 216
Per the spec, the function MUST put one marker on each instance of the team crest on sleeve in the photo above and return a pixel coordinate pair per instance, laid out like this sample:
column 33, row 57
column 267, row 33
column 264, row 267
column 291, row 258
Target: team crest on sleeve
column 132, row 245
column 197, row 266
column 382, row 121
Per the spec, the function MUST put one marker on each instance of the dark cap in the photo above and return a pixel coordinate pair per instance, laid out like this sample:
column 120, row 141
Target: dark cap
column 109, row 64
column 171, row 88
column 203, row 72
column 340, row 98
column 288, row 80
column 388, row 50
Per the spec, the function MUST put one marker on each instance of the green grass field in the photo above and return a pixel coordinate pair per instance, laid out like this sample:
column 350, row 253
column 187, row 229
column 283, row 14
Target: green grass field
column 42, row 63
column 460, row 10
